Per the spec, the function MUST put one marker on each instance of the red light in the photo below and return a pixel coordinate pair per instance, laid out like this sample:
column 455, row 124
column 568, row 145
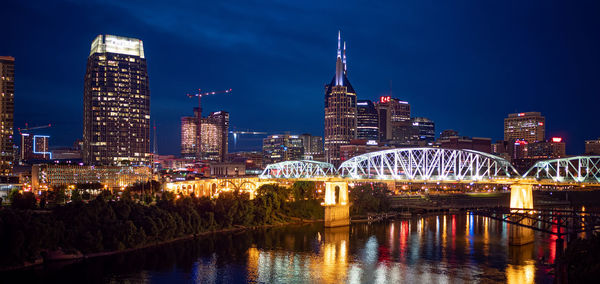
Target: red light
column 385, row 99
column 540, row 123
column 556, row 139
column 521, row 114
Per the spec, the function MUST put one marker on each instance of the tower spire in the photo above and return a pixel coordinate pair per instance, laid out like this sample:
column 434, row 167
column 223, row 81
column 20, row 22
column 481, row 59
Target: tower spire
column 339, row 65
column 344, row 57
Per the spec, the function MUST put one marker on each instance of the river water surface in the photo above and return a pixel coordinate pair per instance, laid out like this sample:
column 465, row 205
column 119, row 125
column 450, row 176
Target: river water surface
column 453, row 248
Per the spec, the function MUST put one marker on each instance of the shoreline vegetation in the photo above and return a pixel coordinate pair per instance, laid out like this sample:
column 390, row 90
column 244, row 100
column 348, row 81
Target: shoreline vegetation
column 36, row 232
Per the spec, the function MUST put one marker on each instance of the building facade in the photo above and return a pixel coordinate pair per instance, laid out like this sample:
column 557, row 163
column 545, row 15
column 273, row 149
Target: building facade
column 592, row 147
column 358, row 147
column 425, row 129
column 528, row 126
column 35, row 147
column 113, row 177
column 393, row 120
column 7, row 109
column 188, row 137
column 215, row 130
column 475, row 143
column 367, row 121
column 279, row 148
column 340, row 110
column 549, row 149
column 116, row 112
column 313, row 147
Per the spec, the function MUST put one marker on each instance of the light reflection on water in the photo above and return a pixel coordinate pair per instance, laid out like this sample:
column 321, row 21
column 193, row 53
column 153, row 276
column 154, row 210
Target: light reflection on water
column 451, row 248
column 434, row 249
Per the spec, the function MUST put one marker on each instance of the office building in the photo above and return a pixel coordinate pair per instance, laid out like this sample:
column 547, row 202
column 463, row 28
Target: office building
column 279, row 148
column 592, row 147
column 448, row 133
column 35, row 147
column 549, row 149
column 340, row 110
column 215, row 136
column 116, row 112
column 7, row 106
column 358, row 147
column 527, row 126
column 367, row 122
column 113, row 177
column 459, row 143
column 425, row 127
column 189, row 134
column 313, row 147
column 393, row 119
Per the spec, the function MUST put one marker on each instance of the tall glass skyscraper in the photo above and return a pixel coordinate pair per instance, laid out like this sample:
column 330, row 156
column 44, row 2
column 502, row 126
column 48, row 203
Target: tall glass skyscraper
column 116, row 103
column 340, row 110
column 367, row 121
column 7, row 109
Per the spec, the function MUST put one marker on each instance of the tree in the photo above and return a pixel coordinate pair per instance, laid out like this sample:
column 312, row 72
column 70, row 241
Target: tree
column 302, row 190
column 23, row 201
column 372, row 197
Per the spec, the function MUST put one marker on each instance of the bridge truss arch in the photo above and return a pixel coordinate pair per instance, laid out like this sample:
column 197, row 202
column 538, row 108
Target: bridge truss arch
column 429, row 164
column 299, row 169
column 572, row 169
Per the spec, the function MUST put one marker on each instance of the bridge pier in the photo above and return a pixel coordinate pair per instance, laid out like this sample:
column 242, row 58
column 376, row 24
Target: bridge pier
column 521, row 197
column 337, row 209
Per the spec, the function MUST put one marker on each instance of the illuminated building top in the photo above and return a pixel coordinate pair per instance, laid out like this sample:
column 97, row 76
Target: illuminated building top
column 117, row 44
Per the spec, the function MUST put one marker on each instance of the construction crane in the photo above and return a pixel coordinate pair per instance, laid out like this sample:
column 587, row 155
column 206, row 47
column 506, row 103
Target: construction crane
column 32, row 128
column 200, row 94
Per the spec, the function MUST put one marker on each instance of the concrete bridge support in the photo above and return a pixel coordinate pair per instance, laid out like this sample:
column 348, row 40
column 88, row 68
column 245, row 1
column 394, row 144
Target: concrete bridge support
column 521, row 197
column 337, row 209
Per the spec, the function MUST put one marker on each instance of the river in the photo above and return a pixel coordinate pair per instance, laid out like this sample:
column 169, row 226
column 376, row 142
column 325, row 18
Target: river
column 430, row 249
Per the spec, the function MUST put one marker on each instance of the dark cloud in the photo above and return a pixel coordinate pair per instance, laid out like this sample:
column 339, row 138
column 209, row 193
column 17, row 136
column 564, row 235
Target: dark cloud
column 464, row 64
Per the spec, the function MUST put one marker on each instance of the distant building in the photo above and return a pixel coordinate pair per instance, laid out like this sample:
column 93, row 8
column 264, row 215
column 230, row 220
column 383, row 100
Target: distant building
column 7, row 109
column 426, row 128
column 189, row 133
column 592, row 147
column 313, row 147
column 116, row 112
column 367, row 121
column 113, row 177
column 66, row 154
column 448, row 133
column 279, row 148
column 35, row 147
column 393, row 119
column 549, row 149
column 340, row 109
column 358, row 147
column 253, row 160
column 227, row 169
column 215, row 136
column 475, row 143
column 527, row 126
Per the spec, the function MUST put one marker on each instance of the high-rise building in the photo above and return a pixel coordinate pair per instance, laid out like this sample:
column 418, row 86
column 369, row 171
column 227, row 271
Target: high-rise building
column 528, row 126
column 550, row 149
column 214, row 140
column 7, row 109
column 592, row 147
column 426, row 128
column 394, row 120
column 367, row 123
column 313, row 147
column 448, row 133
column 458, row 142
column 35, row 147
column 279, row 148
column 340, row 109
column 188, row 137
column 116, row 103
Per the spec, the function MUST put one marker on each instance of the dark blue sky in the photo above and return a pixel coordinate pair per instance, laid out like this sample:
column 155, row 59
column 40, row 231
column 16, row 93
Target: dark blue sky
column 464, row 64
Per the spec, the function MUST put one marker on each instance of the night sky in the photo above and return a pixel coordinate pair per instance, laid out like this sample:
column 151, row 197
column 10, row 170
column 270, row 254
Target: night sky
column 464, row 64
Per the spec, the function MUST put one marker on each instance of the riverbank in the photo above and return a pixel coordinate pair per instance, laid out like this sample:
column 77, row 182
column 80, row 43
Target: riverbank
column 59, row 256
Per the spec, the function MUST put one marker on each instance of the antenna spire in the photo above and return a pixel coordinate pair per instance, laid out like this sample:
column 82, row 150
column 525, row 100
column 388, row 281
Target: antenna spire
column 344, row 57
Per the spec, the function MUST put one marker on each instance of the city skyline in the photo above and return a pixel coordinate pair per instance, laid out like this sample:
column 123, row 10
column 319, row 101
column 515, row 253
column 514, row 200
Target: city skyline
column 472, row 96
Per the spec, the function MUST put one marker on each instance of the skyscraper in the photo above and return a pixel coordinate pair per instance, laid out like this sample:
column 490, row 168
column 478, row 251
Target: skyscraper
column 313, row 147
column 426, row 128
column 215, row 134
column 528, row 126
column 394, row 120
column 340, row 109
column 116, row 103
column 367, row 123
column 188, row 137
column 7, row 109
column 279, row 148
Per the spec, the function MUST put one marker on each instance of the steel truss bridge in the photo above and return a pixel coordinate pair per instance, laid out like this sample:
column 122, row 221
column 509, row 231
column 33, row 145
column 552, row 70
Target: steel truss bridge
column 425, row 165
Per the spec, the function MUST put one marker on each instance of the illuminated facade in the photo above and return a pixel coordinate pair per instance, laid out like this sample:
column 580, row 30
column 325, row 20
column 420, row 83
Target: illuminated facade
column 367, row 122
column 340, row 110
column 111, row 176
column 280, row 148
column 35, row 147
column 189, row 133
column 7, row 106
column 528, row 126
column 425, row 128
column 215, row 130
column 116, row 113
column 394, row 120
column 313, row 147
column 553, row 148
